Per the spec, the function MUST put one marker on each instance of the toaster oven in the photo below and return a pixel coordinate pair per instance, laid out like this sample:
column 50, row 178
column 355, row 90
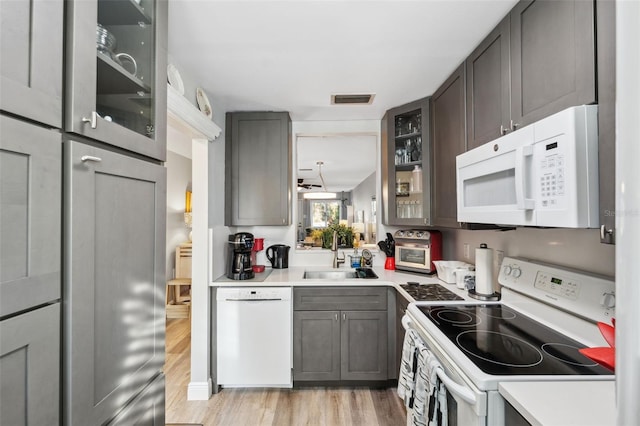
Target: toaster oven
column 417, row 249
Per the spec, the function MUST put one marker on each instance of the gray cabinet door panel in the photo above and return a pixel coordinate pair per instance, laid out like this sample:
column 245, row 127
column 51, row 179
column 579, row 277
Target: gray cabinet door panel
column 147, row 409
column 340, row 298
column 606, row 29
column 81, row 76
column 316, row 345
column 31, row 59
column 553, row 57
column 114, row 279
column 30, row 368
column 258, row 151
column 364, row 345
column 488, row 87
column 30, row 215
column 448, row 141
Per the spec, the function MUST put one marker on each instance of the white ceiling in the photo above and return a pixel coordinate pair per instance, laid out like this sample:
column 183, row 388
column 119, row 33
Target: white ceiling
column 293, row 55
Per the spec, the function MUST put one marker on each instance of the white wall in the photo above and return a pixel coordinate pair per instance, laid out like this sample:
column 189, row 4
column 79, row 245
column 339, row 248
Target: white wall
column 178, row 180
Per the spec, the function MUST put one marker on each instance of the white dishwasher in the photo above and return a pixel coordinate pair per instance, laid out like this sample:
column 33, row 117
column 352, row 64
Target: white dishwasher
column 254, row 337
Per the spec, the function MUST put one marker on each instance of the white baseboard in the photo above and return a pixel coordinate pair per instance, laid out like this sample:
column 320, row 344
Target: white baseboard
column 199, row 391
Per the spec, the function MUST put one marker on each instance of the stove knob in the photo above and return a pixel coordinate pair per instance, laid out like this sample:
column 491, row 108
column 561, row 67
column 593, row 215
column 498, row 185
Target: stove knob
column 419, row 234
column 507, row 270
column 399, row 233
column 410, row 234
column 516, row 272
column 608, row 300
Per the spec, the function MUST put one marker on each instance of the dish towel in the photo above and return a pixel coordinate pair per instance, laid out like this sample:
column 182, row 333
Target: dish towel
column 406, row 379
column 418, row 385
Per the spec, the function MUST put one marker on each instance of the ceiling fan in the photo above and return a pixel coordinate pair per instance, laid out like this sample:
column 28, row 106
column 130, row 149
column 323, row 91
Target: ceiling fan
column 303, row 185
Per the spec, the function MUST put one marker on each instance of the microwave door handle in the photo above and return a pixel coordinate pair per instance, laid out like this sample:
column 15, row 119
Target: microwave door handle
column 521, row 178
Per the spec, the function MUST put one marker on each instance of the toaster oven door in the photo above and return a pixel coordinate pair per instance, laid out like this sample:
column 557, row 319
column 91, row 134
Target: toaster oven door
column 413, row 257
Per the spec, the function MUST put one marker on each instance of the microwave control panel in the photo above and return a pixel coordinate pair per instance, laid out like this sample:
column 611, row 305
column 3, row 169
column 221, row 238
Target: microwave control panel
column 551, row 168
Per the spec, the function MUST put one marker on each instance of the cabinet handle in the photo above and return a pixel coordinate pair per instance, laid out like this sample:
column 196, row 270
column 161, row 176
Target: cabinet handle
column 336, row 317
column 344, row 317
column 85, row 158
column 514, row 126
column 504, row 130
column 93, row 120
column 604, row 232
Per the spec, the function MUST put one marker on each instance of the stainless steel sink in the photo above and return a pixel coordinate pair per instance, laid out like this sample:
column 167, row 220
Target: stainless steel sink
column 336, row 274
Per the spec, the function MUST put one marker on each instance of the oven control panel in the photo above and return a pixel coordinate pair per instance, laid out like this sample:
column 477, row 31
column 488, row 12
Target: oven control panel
column 585, row 294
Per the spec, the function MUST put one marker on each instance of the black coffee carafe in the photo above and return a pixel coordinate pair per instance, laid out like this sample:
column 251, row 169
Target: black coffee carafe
column 278, row 255
column 239, row 265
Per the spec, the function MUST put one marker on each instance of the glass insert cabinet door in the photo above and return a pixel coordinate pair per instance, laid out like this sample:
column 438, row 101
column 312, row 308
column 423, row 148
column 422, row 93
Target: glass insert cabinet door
column 408, row 165
column 116, row 73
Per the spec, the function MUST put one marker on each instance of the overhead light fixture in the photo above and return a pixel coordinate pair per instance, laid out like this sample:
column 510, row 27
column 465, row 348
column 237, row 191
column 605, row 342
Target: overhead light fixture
column 320, row 195
column 356, row 99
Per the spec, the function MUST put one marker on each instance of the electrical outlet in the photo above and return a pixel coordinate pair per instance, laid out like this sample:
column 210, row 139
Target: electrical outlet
column 498, row 258
column 467, row 254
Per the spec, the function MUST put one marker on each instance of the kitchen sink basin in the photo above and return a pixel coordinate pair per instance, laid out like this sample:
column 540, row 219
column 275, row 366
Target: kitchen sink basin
column 336, row 274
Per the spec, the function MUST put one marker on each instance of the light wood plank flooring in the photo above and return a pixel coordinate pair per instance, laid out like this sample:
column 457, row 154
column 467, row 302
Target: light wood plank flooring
column 281, row 407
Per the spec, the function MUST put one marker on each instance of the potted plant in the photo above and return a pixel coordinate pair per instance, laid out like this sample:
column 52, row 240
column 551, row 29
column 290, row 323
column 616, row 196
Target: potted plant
column 344, row 234
column 316, row 237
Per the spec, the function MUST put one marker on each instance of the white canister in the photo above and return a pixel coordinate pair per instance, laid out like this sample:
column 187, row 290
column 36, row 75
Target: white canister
column 484, row 270
column 460, row 274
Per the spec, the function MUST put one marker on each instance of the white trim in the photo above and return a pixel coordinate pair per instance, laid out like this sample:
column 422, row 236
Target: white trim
column 199, row 391
column 183, row 114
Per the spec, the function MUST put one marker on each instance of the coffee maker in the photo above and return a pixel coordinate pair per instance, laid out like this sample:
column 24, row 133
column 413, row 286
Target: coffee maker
column 239, row 256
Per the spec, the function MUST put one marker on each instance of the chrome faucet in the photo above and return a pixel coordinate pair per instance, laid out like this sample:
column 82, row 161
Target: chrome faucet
column 334, row 248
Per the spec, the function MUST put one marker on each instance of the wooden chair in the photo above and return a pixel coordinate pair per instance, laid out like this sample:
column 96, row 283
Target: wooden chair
column 179, row 289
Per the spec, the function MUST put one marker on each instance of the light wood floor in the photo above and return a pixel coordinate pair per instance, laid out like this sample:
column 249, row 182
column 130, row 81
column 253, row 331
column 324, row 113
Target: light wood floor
column 254, row 407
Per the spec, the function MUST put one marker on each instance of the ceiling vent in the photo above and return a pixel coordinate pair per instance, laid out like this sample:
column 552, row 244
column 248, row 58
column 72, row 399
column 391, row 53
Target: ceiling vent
column 352, row 99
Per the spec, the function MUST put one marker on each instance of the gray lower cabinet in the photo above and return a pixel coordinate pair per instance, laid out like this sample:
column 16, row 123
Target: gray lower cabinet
column 338, row 338
column 258, row 169
column 30, row 215
column 31, row 53
column 447, row 141
column 147, row 409
column 113, row 280
column 401, row 309
column 552, row 57
column 488, row 89
column 30, row 368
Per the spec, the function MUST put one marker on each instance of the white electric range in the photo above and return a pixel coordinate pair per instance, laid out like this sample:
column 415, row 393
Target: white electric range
column 533, row 334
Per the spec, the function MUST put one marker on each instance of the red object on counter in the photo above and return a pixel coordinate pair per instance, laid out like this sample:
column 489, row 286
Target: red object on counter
column 608, row 332
column 436, row 248
column 258, row 268
column 603, row 356
column 390, row 263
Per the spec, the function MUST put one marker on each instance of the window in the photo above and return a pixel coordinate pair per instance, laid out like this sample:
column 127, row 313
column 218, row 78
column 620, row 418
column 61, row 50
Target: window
column 324, row 213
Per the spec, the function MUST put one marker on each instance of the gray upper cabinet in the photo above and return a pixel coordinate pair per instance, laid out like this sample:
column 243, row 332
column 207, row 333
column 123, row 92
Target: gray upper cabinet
column 31, row 54
column 258, row 169
column 488, row 89
column 606, row 29
column 117, row 95
column 114, row 251
column 406, row 171
column 30, row 368
column 552, row 58
column 30, row 215
column 447, row 141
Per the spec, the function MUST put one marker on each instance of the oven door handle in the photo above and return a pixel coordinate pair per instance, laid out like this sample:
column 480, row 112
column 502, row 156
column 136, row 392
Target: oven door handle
column 456, row 389
column 459, row 390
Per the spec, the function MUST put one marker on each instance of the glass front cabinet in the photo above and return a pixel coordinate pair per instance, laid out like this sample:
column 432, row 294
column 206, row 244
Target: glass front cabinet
column 405, row 164
column 116, row 73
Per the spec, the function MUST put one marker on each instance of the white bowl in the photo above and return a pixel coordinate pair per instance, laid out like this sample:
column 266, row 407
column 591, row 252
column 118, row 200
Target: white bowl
column 445, row 269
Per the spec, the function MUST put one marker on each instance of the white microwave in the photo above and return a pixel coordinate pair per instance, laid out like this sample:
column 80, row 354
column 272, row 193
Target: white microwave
column 545, row 174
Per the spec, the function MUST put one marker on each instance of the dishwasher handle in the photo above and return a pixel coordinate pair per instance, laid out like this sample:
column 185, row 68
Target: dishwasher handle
column 253, row 300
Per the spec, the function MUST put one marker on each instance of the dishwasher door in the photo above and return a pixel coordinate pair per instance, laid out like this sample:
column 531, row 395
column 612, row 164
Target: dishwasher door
column 254, row 337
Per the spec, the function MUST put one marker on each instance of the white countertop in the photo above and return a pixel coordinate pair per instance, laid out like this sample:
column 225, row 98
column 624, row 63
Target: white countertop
column 577, row 403
column 293, row 277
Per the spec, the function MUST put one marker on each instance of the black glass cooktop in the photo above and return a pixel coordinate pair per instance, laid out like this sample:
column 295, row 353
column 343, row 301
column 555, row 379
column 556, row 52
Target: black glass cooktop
column 424, row 292
column 501, row 341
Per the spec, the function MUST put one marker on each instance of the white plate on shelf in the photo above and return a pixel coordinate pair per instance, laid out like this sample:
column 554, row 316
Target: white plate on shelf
column 173, row 76
column 203, row 102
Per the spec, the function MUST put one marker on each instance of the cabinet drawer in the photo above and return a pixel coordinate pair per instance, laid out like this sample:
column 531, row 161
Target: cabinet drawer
column 340, row 298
